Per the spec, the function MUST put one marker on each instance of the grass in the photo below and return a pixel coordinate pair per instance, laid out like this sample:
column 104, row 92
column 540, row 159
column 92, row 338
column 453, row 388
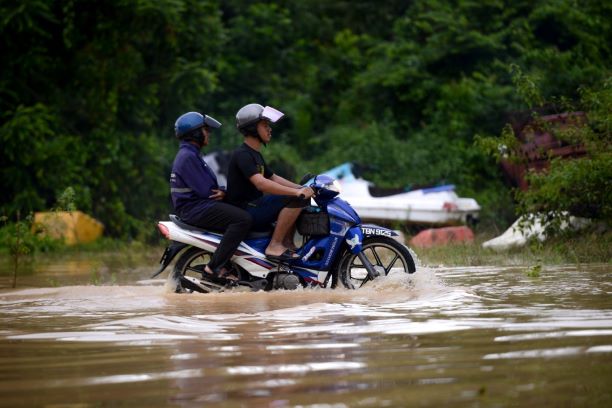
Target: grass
column 586, row 247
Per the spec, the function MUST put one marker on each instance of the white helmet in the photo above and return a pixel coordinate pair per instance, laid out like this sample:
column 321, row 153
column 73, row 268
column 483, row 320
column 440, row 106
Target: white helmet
column 249, row 115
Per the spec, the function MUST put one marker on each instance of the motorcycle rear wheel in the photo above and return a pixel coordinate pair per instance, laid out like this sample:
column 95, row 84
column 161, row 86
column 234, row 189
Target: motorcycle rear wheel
column 384, row 253
column 188, row 272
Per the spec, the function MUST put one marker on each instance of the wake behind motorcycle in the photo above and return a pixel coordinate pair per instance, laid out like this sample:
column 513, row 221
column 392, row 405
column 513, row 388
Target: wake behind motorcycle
column 337, row 248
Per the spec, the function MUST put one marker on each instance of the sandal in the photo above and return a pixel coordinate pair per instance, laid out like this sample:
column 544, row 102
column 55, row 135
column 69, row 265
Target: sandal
column 227, row 274
column 221, row 275
column 286, row 256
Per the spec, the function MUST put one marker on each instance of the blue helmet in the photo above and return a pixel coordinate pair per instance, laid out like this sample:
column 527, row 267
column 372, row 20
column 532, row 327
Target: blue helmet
column 190, row 121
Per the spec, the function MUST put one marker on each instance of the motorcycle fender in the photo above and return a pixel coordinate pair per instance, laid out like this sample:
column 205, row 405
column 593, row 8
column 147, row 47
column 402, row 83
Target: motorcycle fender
column 370, row 230
column 171, row 251
column 354, row 239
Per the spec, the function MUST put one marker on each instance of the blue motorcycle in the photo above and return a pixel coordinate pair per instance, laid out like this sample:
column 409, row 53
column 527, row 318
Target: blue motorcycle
column 336, row 249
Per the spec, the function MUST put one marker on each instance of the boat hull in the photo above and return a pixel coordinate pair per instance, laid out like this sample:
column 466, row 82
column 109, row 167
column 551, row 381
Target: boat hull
column 431, row 207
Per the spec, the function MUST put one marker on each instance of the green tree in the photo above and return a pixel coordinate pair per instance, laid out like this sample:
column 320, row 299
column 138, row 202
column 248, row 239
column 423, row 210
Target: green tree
column 581, row 186
column 93, row 89
column 90, row 92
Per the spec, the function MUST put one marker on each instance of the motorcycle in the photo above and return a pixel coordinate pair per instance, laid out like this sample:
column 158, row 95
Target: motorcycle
column 336, row 248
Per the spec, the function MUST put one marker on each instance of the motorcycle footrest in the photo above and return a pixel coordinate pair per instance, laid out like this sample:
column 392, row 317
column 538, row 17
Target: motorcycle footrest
column 196, row 285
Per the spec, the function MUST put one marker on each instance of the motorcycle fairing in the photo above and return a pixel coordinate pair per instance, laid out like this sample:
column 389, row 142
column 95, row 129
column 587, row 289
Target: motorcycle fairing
column 342, row 210
column 338, row 227
column 354, row 239
column 325, row 248
column 310, row 277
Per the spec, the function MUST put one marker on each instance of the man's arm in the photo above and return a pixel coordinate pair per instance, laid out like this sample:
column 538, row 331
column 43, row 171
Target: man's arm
column 284, row 181
column 270, row 186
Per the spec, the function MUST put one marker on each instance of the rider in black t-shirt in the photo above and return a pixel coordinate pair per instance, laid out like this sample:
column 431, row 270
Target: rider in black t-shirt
column 245, row 160
column 249, row 178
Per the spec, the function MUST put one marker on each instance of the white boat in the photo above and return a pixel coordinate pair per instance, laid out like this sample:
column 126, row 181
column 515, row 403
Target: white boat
column 432, row 206
column 435, row 206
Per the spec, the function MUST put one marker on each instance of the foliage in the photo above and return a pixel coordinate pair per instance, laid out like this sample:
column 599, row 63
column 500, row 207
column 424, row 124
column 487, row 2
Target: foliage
column 534, row 271
column 19, row 238
column 583, row 187
column 20, row 241
column 65, row 201
column 580, row 187
column 38, row 159
column 89, row 91
column 85, row 89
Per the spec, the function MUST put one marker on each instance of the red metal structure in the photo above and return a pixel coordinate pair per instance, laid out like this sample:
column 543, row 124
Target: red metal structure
column 539, row 145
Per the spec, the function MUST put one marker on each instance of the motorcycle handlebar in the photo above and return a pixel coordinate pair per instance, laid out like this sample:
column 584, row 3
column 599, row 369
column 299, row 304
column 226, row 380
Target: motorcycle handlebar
column 314, row 189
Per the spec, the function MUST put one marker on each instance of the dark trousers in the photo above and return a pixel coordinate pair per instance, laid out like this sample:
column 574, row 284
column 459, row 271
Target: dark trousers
column 265, row 209
column 230, row 220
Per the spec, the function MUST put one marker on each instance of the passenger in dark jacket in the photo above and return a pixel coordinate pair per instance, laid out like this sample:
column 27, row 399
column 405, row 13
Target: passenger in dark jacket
column 197, row 197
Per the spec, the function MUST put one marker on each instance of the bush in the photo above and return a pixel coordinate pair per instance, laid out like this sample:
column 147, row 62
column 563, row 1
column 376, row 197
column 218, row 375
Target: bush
column 581, row 186
column 18, row 238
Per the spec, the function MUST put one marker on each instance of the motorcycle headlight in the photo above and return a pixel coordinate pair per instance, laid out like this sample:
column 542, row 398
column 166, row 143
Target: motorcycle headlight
column 325, row 183
column 337, row 186
column 334, row 186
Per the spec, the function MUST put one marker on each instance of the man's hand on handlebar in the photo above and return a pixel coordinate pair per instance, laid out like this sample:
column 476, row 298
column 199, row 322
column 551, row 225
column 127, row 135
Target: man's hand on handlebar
column 305, row 192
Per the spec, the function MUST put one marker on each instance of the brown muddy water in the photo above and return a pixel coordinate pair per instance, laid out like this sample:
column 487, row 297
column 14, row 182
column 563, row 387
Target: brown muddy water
column 473, row 337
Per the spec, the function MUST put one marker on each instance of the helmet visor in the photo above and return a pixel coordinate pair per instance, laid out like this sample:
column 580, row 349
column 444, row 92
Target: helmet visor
column 211, row 122
column 271, row 114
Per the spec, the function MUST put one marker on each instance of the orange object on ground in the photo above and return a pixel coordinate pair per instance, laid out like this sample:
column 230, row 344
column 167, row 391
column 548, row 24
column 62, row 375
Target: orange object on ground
column 442, row 236
column 74, row 227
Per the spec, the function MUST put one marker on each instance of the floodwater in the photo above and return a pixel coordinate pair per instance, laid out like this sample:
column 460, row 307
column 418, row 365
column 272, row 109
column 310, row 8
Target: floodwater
column 473, row 337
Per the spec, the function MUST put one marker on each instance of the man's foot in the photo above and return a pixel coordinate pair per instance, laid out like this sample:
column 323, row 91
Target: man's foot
column 222, row 274
column 286, row 256
column 290, row 246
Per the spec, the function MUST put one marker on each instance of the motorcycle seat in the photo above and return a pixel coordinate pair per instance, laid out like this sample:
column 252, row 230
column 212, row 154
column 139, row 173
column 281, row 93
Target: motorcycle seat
column 253, row 234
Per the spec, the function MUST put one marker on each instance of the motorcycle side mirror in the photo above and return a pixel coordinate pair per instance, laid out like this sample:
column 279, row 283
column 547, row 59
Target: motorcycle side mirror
column 305, row 178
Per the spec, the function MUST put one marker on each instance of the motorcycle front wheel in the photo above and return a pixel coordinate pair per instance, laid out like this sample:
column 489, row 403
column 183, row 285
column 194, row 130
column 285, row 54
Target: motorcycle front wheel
column 384, row 253
column 187, row 273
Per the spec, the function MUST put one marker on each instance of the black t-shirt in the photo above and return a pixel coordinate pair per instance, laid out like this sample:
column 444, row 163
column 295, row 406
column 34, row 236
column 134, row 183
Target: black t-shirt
column 244, row 163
